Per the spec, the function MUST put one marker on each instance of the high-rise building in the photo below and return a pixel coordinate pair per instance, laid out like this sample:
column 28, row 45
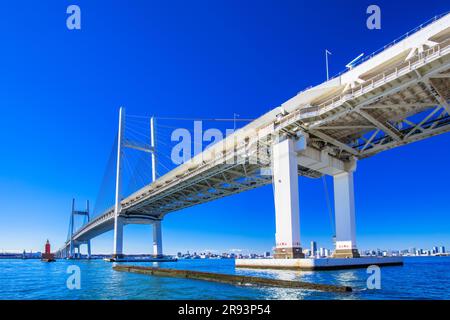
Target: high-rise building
column 441, row 249
column 313, row 248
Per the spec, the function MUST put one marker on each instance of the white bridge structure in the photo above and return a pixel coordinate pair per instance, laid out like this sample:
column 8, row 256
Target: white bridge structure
column 396, row 96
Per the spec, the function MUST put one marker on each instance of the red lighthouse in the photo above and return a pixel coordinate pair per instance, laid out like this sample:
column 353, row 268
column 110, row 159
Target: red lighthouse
column 48, row 256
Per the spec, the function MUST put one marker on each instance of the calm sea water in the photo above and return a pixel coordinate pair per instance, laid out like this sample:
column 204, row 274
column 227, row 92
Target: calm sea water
column 419, row 278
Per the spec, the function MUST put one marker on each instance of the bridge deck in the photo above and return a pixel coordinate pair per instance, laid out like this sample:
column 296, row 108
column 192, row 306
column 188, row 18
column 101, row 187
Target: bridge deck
column 399, row 96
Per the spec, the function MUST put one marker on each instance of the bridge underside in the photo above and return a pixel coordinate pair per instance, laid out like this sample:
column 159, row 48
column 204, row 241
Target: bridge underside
column 210, row 185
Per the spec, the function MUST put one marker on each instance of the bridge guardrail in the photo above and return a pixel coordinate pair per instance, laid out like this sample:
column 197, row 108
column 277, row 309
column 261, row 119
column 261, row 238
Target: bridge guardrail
column 389, row 45
column 335, row 101
column 396, row 41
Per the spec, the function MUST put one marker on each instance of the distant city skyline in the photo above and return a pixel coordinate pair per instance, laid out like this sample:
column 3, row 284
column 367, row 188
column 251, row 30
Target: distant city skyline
column 320, row 252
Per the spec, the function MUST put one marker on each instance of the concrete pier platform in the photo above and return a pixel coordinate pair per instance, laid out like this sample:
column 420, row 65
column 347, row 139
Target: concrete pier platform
column 318, row 264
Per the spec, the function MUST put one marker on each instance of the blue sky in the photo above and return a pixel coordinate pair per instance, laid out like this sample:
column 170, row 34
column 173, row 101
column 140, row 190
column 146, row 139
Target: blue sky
column 60, row 91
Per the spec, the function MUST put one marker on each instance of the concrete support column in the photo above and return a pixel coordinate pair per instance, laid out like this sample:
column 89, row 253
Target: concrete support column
column 344, row 203
column 118, row 237
column 285, row 180
column 89, row 241
column 157, row 240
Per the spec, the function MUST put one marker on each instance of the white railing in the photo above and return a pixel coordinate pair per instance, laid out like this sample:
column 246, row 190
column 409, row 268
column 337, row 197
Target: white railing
column 329, row 104
column 375, row 53
column 372, row 83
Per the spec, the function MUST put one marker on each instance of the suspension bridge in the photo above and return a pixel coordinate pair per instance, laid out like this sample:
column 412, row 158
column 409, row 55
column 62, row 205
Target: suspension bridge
column 396, row 96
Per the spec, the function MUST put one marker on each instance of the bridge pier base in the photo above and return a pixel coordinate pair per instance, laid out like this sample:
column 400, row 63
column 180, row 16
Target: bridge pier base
column 157, row 240
column 344, row 203
column 89, row 249
column 287, row 211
